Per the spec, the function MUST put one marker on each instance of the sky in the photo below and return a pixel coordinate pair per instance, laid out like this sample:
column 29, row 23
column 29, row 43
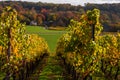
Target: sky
column 75, row 2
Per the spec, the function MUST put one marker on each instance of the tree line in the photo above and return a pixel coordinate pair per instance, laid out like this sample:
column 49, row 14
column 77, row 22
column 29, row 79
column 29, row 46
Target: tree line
column 60, row 14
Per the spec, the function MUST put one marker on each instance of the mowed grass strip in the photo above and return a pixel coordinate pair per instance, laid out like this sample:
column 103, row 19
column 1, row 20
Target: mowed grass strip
column 51, row 36
column 52, row 70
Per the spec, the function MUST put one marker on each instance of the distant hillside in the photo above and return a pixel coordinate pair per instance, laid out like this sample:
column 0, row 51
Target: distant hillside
column 60, row 14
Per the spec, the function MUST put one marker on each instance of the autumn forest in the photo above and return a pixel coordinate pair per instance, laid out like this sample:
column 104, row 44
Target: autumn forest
column 60, row 14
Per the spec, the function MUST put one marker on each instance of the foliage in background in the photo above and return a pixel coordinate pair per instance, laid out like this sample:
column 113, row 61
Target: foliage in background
column 60, row 14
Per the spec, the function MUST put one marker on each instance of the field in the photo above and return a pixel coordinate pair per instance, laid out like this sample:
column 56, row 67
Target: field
column 51, row 36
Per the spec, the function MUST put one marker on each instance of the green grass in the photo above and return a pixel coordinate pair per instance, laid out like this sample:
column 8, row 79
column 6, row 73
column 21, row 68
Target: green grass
column 51, row 36
column 52, row 71
column 51, row 40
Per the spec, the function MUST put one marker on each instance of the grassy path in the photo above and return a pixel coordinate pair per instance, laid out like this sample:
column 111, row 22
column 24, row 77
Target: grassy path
column 50, row 68
column 36, row 73
column 53, row 70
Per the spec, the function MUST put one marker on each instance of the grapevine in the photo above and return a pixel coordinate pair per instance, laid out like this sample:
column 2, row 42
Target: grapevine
column 84, row 56
column 19, row 52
